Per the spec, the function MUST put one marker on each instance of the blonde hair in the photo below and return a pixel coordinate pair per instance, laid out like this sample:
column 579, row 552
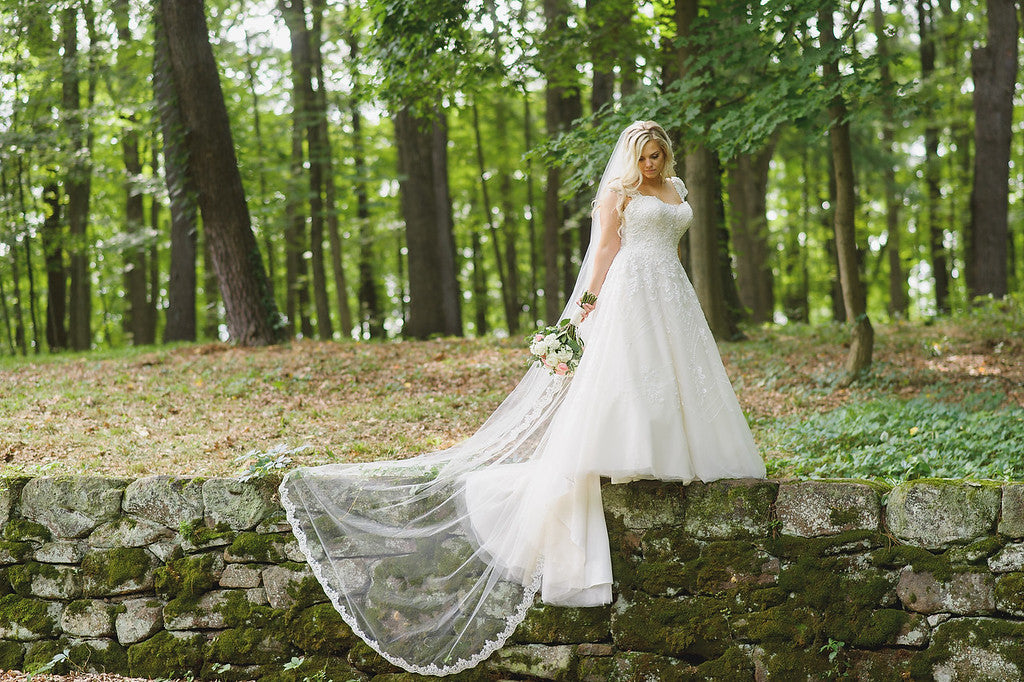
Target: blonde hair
column 637, row 135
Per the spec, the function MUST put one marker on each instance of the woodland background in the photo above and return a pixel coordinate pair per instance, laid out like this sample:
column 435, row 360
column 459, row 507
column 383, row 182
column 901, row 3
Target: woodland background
column 261, row 171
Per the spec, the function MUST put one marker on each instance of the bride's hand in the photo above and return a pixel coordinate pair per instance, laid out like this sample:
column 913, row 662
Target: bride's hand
column 587, row 309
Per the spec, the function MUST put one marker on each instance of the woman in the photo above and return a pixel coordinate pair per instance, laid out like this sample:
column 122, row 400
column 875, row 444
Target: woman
column 435, row 560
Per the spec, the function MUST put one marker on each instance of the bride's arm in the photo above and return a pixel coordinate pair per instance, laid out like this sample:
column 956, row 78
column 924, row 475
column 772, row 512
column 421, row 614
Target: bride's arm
column 609, row 243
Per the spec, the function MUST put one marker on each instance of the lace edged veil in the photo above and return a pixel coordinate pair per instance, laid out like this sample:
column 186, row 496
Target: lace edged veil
column 393, row 543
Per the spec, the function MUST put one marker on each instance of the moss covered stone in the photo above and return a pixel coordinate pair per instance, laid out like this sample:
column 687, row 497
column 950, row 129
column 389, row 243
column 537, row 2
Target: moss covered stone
column 635, row 666
column 562, row 625
column 45, row 580
column 251, row 547
column 314, row 668
column 22, row 530
column 117, row 571
column 732, row 665
column 1010, row 594
column 556, row 662
column 968, row 593
column 89, row 618
column 730, row 509
column 12, row 654
column 362, row 656
column 14, row 552
column 972, row 649
column 645, row 504
column 25, row 620
column 196, row 535
column 72, row 506
column 320, row 629
column 935, row 513
column 240, row 504
column 813, row 508
column 167, row 500
column 248, row 646
column 186, row 578
column 168, row 655
column 685, row 626
column 40, row 656
column 239, row 611
column 99, row 656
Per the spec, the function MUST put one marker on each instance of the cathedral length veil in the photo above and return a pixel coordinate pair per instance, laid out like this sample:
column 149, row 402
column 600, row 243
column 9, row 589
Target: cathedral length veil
column 393, row 544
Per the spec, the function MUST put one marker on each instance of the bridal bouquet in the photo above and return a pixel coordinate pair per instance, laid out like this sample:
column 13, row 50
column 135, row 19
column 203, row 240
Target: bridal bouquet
column 559, row 348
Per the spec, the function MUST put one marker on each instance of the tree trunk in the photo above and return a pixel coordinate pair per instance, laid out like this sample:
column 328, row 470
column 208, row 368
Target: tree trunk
column 434, row 306
column 701, row 181
column 56, row 273
column 934, row 230
column 531, row 208
column 327, row 160
column 994, row 67
column 304, row 106
column 897, row 277
column 248, row 301
column 748, row 186
column 180, row 323
column 602, row 50
column 77, row 185
column 854, row 298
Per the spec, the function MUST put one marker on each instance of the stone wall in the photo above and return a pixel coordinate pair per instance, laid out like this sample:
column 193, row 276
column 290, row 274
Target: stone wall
column 734, row 580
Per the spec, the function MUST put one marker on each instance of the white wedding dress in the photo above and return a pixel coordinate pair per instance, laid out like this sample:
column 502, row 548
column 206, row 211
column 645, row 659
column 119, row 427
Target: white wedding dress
column 435, row 560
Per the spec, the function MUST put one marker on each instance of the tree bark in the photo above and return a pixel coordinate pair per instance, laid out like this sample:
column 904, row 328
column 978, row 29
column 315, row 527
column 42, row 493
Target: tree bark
column 77, row 185
column 56, row 272
column 434, row 305
column 180, row 322
column 345, row 320
column 854, row 297
column 994, row 67
column 748, row 186
column 898, row 301
column 249, row 306
column 304, row 115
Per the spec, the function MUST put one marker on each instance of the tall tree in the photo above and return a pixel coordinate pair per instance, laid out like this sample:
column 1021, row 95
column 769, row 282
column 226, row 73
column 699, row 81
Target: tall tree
column 304, row 113
column 701, row 166
column 77, row 183
column 180, row 323
column 748, row 183
column 897, row 304
column 422, row 145
column 854, row 297
column 994, row 67
column 56, row 272
column 248, row 301
column 933, row 229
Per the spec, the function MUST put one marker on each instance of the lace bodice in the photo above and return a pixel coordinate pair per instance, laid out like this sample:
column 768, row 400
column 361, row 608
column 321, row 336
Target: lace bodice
column 651, row 225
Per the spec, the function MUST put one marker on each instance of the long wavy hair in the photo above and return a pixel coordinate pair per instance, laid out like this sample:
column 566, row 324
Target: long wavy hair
column 628, row 177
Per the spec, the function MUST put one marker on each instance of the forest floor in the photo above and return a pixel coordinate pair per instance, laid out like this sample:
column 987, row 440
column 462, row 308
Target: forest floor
column 215, row 409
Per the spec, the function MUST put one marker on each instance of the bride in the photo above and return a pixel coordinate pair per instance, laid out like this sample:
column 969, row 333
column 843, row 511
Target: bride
column 434, row 560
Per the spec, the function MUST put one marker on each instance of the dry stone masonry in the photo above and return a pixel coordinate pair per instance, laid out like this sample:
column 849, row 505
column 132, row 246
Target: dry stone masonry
column 167, row 577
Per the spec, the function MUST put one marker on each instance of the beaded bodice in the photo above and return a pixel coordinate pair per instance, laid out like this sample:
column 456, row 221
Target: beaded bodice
column 653, row 226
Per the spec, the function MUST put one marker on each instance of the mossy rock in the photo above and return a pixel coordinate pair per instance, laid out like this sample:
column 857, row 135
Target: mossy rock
column 562, row 625
column 936, row 513
column 791, row 546
column 167, row 654
column 22, row 530
column 12, row 655
column 198, row 535
column 730, row 509
column 363, row 657
column 187, row 578
column 792, row 663
column 116, row 571
column 26, row 619
column 332, row 668
column 1010, row 593
column 971, row 649
column 732, row 665
column 239, row 612
column 99, row 656
column 687, row 626
column 252, row 547
column 249, row 646
column 633, row 666
column 920, row 559
column 38, row 657
column 728, row 566
column 645, row 504
column 320, row 629
column 14, row 552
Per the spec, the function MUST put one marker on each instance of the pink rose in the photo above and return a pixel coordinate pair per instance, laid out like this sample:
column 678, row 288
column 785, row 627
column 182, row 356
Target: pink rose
column 562, row 369
column 538, row 337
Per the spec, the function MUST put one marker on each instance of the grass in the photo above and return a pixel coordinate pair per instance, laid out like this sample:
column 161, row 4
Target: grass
column 200, row 409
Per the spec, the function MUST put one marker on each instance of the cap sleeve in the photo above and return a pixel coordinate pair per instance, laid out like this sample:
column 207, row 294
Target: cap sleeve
column 680, row 187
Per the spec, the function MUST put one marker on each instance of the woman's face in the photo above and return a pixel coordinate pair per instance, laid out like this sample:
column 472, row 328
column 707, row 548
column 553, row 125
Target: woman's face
column 652, row 160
